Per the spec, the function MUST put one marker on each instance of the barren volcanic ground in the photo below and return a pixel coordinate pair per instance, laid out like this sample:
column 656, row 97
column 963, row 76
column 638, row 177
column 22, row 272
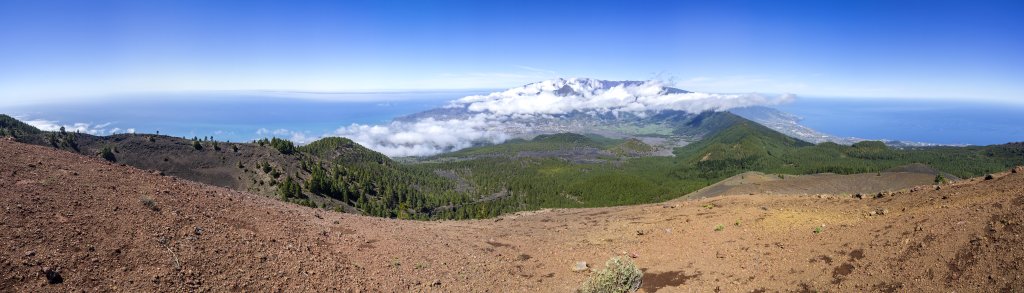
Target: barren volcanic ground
column 753, row 183
column 74, row 223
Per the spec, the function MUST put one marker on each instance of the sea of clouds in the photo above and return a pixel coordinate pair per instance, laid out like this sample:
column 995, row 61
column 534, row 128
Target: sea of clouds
column 486, row 116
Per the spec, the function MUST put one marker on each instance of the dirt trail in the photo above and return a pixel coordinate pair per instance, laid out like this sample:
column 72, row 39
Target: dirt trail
column 90, row 225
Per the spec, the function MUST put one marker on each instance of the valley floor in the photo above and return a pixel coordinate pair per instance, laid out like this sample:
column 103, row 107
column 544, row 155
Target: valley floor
column 83, row 224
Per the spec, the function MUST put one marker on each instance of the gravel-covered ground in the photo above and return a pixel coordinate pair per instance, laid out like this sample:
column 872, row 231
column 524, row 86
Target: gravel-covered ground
column 75, row 223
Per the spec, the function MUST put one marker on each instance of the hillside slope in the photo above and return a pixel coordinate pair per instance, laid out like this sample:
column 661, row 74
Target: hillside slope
column 85, row 224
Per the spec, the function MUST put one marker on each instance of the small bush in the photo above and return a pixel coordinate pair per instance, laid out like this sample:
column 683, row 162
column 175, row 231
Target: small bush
column 719, row 228
column 107, row 154
column 619, row 275
column 939, row 179
column 149, row 203
column 196, row 145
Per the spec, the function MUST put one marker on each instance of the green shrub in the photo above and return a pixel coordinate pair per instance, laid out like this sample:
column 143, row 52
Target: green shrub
column 149, row 203
column 196, row 145
column 107, row 154
column 619, row 275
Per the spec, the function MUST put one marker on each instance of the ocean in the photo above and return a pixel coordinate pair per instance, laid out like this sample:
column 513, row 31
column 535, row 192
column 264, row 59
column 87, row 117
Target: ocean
column 244, row 116
column 920, row 120
column 229, row 116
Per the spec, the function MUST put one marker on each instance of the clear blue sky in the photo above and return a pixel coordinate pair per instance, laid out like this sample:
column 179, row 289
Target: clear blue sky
column 965, row 49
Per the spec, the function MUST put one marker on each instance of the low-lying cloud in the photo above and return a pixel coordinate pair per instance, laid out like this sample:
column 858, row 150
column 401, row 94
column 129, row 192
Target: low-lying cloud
column 426, row 136
column 295, row 136
column 486, row 118
column 79, row 127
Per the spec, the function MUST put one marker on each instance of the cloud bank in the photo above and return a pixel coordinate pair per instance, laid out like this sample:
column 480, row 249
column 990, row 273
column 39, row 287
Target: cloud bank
column 563, row 96
column 485, row 118
column 80, row 127
column 426, row 136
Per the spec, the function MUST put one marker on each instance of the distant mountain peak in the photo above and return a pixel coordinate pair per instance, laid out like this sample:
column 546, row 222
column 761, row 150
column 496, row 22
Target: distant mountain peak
column 577, row 86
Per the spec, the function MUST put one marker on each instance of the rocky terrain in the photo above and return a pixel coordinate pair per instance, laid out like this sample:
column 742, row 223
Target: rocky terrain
column 865, row 184
column 77, row 223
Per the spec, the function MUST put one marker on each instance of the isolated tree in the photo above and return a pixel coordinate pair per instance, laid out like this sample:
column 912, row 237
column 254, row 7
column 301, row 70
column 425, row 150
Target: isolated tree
column 107, row 154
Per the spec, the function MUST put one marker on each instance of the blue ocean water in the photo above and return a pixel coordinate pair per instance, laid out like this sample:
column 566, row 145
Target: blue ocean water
column 920, row 120
column 237, row 116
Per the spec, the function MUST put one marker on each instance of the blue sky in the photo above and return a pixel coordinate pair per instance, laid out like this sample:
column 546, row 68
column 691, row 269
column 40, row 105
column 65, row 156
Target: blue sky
column 937, row 49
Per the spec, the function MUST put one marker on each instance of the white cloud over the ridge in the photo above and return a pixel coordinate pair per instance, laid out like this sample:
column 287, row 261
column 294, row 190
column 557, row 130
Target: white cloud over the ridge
column 80, row 127
column 294, row 136
column 593, row 95
column 491, row 113
column 424, row 137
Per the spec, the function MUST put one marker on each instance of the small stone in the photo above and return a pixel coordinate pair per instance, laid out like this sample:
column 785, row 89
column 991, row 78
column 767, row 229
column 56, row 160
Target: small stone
column 30, row 253
column 989, row 177
column 580, row 266
column 436, row 282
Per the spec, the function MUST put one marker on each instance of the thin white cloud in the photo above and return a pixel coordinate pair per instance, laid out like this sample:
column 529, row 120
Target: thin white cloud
column 80, row 127
column 294, row 136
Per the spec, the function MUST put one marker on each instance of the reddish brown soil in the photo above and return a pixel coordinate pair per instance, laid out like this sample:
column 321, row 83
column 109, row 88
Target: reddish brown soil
column 757, row 183
column 86, row 220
